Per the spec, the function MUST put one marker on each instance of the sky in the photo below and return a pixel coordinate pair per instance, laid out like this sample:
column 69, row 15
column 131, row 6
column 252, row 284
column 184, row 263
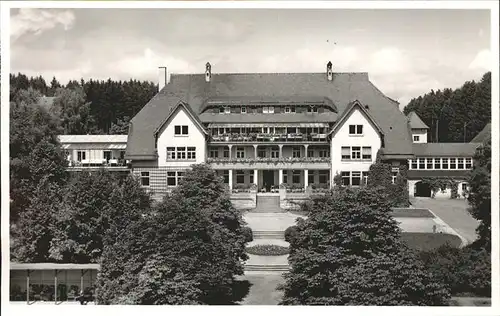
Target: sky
column 405, row 52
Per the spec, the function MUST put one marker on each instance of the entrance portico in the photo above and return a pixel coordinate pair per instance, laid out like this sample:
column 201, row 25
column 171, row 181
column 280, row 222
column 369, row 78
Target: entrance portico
column 268, row 180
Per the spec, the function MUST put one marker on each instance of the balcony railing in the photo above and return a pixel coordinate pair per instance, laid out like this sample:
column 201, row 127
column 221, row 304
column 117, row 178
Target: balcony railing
column 97, row 163
column 259, row 137
column 270, row 160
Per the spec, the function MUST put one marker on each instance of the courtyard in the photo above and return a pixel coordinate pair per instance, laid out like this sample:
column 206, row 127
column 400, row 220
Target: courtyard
column 452, row 212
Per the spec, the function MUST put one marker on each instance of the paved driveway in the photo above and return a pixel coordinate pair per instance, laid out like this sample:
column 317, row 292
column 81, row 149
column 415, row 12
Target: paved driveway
column 452, row 212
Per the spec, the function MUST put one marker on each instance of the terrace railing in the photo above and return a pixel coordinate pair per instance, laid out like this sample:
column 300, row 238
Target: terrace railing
column 260, row 137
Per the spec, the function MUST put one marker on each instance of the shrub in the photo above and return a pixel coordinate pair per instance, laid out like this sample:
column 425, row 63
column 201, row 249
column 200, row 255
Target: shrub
column 290, row 233
column 247, row 232
column 349, row 252
column 268, row 250
column 467, row 271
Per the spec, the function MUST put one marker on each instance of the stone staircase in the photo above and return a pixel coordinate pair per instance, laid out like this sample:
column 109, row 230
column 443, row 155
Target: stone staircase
column 268, row 234
column 268, row 204
column 265, row 267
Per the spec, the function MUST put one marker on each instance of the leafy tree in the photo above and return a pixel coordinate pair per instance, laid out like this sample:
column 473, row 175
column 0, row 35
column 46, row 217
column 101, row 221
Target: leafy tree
column 121, row 126
column 197, row 246
column 35, row 152
column 465, row 270
column 83, row 218
column 349, row 252
column 35, row 226
column 480, row 193
column 380, row 173
column 73, row 111
column 455, row 115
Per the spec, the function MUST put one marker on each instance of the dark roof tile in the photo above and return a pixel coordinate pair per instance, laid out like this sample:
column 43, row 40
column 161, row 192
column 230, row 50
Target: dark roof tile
column 345, row 88
column 445, row 149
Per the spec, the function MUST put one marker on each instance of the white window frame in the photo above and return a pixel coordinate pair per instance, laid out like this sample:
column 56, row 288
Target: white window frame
column 81, row 155
column 181, row 130
column 171, row 153
column 357, row 175
column 394, row 172
column 227, row 110
column 296, row 152
column 240, row 152
column 214, row 153
column 416, row 138
column 354, row 152
column 191, row 153
column 181, row 154
column 287, row 109
column 265, row 109
column 469, row 161
column 356, row 130
column 244, row 109
column 145, row 175
column 172, row 175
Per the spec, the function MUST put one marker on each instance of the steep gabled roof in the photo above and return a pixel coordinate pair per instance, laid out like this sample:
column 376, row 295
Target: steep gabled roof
column 483, row 135
column 416, row 122
column 348, row 110
column 194, row 90
column 189, row 111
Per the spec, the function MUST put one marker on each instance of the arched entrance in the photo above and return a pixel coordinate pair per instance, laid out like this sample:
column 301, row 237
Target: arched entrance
column 422, row 189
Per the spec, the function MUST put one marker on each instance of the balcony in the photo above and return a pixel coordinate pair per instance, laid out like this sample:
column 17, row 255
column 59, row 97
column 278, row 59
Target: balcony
column 271, row 163
column 90, row 164
column 261, row 138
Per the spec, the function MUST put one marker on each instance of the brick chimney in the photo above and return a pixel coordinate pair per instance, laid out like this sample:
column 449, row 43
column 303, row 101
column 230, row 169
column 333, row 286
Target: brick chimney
column 329, row 72
column 208, row 72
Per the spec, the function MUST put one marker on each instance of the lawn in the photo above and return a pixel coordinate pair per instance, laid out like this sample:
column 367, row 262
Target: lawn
column 429, row 241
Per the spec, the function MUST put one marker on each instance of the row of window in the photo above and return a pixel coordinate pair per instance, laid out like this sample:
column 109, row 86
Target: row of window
column 356, row 153
column 181, row 153
column 441, row 163
column 267, row 109
column 274, row 153
column 173, row 178
column 268, row 130
column 354, row 178
column 107, row 154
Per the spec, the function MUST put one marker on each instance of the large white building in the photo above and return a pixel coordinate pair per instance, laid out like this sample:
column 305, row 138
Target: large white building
column 264, row 131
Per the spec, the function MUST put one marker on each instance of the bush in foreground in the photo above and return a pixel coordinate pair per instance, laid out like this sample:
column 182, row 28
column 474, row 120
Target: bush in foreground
column 248, row 233
column 467, row 271
column 349, row 252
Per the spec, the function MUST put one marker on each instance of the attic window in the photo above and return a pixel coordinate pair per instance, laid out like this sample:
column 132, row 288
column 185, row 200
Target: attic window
column 312, row 109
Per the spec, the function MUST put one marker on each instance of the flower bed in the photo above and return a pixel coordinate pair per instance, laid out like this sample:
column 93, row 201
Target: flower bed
column 268, row 250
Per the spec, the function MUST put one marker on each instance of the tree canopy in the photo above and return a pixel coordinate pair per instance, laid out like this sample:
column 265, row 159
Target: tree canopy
column 349, row 252
column 480, row 193
column 35, row 153
column 447, row 111
column 109, row 102
column 188, row 250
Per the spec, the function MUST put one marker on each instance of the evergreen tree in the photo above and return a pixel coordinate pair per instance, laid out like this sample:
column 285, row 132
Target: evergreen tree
column 349, row 252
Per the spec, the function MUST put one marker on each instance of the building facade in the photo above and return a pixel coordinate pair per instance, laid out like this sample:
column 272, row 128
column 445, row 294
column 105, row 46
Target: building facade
column 294, row 131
